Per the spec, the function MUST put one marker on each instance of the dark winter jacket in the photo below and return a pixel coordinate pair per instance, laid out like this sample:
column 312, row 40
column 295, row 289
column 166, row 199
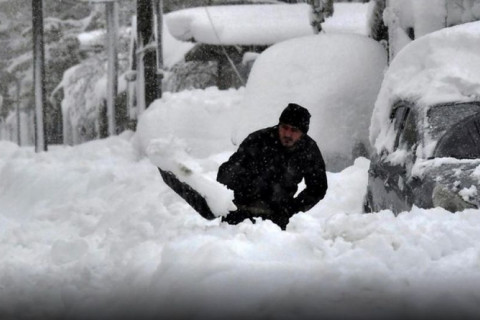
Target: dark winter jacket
column 264, row 176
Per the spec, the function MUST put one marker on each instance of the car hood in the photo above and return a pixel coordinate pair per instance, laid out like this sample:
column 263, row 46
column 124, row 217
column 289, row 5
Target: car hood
column 461, row 177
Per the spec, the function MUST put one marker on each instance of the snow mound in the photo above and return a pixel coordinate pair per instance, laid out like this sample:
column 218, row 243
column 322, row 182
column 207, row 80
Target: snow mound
column 201, row 118
column 320, row 73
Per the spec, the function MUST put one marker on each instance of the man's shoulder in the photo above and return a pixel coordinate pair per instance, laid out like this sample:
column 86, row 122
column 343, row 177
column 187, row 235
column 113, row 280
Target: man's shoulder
column 263, row 133
column 309, row 140
column 309, row 145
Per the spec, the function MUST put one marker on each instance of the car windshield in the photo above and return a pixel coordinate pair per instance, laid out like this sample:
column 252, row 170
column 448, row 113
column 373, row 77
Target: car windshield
column 443, row 116
column 460, row 129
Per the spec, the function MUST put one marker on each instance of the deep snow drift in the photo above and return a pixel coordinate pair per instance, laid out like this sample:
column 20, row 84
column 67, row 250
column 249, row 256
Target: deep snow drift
column 92, row 232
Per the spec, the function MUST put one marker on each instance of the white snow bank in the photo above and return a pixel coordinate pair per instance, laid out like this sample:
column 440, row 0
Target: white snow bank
column 335, row 76
column 202, row 119
column 92, row 232
column 443, row 66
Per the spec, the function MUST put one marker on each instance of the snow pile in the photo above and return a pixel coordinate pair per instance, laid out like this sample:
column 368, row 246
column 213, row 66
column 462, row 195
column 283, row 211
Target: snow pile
column 443, row 66
column 321, row 73
column 201, row 119
column 92, row 232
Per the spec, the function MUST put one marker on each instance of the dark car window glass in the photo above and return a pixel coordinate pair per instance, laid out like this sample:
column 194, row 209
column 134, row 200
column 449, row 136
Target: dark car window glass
column 408, row 136
column 399, row 114
column 442, row 117
column 461, row 141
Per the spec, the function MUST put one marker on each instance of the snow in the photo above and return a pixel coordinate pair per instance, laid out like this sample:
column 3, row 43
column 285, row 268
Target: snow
column 320, row 73
column 170, row 155
column 92, row 232
column 240, row 24
column 259, row 24
column 425, row 16
column 202, row 119
column 348, row 18
column 90, row 38
column 468, row 193
column 173, row 49
column 442, row 66
column 85, row 85
column 317, row 72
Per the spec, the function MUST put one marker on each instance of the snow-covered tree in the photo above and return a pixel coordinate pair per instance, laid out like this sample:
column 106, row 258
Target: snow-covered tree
column 63, row 22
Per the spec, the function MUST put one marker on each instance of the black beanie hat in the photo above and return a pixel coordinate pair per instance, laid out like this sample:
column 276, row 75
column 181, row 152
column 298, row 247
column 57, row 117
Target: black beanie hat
column 296, row 116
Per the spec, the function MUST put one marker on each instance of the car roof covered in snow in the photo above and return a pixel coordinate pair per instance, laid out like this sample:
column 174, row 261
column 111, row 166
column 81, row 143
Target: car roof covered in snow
column 260, row 24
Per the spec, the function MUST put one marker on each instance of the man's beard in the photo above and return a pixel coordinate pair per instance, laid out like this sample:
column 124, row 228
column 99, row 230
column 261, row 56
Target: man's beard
column 287, row 142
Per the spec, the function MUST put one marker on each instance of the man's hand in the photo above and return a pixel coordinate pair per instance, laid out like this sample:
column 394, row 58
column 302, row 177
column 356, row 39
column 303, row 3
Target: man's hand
column 283, row 214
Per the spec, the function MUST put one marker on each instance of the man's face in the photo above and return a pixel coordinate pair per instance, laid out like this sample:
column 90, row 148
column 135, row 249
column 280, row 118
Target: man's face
column 289, row 135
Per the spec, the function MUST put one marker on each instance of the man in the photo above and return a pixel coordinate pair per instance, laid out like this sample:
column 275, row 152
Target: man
column 269, row 164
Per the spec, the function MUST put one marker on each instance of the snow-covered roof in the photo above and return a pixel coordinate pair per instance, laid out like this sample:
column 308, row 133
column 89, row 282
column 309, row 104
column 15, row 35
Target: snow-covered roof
column 443, row 66
column 260, row 24
column 349, row 17
column 240, row 24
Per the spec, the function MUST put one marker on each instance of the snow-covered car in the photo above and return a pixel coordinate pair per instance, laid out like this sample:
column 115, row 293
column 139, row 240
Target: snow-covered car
column 425, row 126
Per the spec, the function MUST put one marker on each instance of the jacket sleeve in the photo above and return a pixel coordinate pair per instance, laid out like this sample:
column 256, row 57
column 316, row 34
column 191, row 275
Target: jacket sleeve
column 234, row 172
column 315, row 182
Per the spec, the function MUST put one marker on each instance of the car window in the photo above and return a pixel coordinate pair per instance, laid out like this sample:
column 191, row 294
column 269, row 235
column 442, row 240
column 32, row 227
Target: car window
column 441, row 117
column 408, row 136
column 405, row 126
column 461, row 141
